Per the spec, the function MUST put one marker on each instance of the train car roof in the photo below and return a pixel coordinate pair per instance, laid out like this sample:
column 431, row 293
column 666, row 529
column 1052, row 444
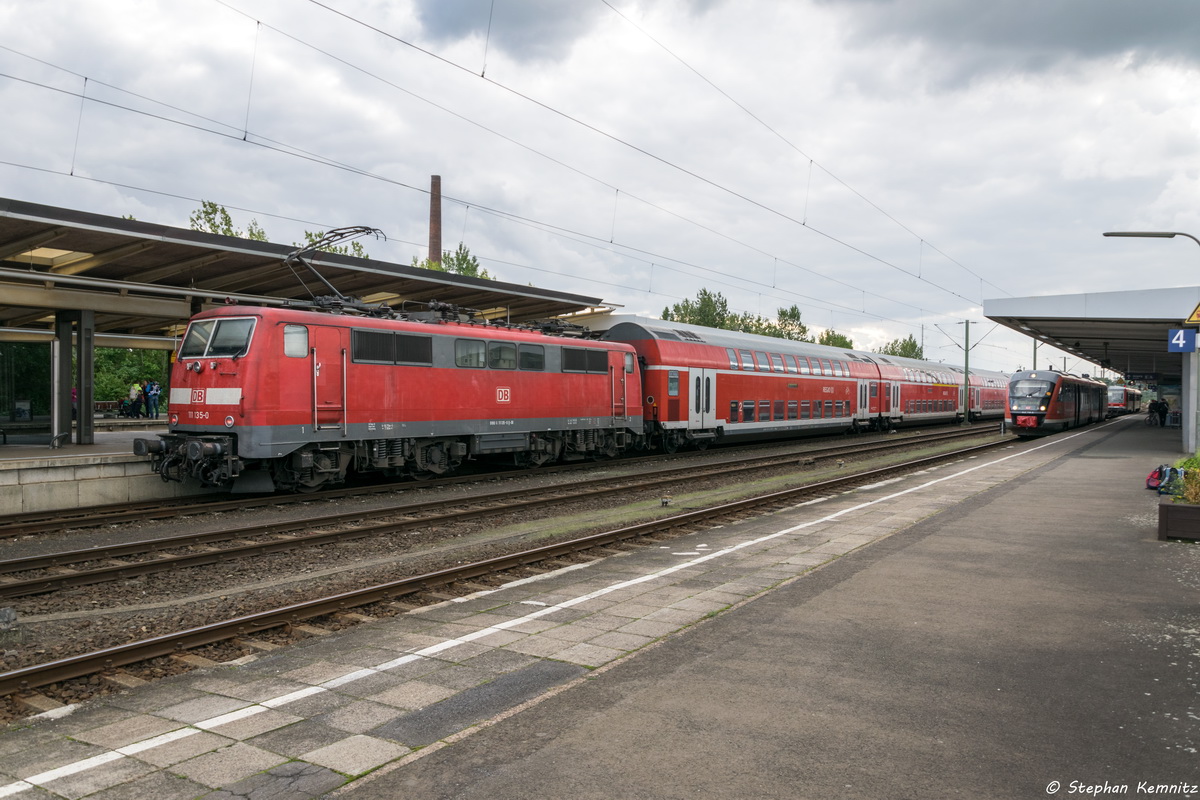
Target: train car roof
column 1047, row 374
column 623, row 327
column 447, row 327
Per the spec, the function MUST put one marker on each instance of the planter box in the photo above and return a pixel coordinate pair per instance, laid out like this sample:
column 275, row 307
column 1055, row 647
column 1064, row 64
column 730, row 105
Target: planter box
column 1178, row 521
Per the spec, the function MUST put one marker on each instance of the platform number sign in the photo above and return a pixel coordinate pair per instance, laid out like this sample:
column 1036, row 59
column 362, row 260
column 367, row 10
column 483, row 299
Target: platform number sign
column 1181, row 340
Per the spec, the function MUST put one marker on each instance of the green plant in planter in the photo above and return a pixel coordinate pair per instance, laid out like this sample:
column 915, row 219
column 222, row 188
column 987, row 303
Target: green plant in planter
column 1190, row 492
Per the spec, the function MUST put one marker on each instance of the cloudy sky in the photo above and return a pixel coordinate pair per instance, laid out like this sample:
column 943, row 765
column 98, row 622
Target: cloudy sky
column 884, row 164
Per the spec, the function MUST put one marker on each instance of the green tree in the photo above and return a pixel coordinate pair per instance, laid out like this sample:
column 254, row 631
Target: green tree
column 213, row 218
column 460, row 262
column 790, row 326
column 116, row 368
column 708, row 309
column 832, row 338
column 903, row 347
column 711, row 310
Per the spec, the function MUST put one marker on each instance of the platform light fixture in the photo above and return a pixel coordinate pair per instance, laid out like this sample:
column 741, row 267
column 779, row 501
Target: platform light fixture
column 1194, row 439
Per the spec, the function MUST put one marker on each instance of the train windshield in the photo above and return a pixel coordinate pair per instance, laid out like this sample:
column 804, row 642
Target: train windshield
column 1030, row 395
column 212, row 338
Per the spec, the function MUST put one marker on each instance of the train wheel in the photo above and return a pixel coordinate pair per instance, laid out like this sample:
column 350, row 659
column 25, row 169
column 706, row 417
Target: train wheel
column 702, row 444
column 670, row 442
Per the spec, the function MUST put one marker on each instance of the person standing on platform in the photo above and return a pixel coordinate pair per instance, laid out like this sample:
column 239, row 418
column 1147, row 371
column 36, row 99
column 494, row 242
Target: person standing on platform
column 135, row 400
column 153, row 390
column 1163, row 408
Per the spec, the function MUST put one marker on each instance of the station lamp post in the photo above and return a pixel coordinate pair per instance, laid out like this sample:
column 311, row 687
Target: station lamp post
column 1193, row 437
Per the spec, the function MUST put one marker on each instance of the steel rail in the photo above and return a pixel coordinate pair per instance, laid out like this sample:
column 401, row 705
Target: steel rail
column 28, row 678
column 41, row 521
column 492, row 503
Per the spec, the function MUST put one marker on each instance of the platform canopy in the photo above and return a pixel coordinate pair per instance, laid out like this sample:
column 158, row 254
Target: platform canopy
column 143, row 280
column 1125, row 332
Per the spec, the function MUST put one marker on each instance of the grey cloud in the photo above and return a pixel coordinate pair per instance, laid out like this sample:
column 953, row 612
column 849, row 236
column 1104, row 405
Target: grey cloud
column 528, row 30
column 974, row 38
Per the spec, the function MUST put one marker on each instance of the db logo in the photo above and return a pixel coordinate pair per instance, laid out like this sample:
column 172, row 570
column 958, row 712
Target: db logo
column 503, row 394
column 197, row 395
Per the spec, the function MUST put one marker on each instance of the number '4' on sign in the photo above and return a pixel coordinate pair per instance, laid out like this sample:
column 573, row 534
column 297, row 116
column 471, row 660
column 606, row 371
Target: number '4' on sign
column 1181, row 340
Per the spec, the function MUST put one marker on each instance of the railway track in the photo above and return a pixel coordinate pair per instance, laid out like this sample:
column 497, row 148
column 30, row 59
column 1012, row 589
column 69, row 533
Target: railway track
column 25, row 680
column 64, row 569
column 35, row 522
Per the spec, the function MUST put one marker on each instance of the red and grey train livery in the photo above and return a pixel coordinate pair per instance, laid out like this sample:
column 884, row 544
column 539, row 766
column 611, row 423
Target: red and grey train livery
column 281, row 398
column 293, row 399
column 1124, row 400
column 703, row 384
column 1047, row 401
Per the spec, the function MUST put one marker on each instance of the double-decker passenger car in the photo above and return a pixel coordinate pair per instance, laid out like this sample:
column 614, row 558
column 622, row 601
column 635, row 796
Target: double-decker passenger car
column 702, row 384
column 1124, row 400
column 1048, row 401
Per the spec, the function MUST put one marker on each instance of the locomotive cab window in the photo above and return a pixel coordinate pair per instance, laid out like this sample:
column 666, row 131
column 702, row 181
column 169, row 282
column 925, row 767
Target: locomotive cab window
column 470, row 353
column 629, row 363
column 216, row 338
column 295, row 341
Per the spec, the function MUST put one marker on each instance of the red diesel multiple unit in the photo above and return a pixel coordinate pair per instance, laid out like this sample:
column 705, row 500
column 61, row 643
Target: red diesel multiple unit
column 1047, row 401
column 1124, row 400
column 264, row 398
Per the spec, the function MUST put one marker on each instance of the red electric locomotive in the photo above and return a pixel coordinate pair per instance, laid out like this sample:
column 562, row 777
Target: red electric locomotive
column 1041, row 402
column 281, row 398
column 702, row 384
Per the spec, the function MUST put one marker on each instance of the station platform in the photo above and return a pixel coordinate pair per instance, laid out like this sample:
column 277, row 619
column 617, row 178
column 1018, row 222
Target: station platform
column 1008, row 626
column 37, row 477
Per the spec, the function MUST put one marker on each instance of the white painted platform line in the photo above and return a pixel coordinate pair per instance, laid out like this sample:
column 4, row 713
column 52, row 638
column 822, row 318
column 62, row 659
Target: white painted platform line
column 43, row 778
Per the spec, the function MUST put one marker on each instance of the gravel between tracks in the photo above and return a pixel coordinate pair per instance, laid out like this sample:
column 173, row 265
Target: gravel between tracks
column 88, row 618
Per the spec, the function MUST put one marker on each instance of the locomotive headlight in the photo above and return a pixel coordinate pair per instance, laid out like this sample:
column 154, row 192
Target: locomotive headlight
column 229, row 422
column 1041, row 408
column 174, row 419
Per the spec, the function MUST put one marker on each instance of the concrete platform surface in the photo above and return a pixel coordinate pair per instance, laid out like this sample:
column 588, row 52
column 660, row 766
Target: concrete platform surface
column 37, row 477
column 1008, row 626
